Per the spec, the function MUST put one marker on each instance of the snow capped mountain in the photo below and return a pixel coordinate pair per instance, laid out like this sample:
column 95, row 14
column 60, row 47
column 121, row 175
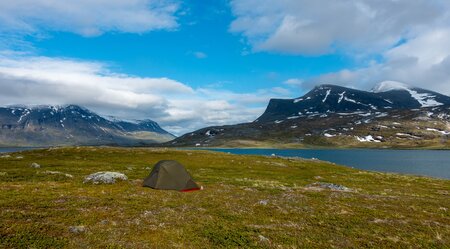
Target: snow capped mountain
column 393, row 115
column 72, row 125
column 327, row 99
column 424, row 97
column 387, row 86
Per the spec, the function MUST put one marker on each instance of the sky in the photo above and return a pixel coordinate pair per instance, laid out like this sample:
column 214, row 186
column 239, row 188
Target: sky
column 191, row 64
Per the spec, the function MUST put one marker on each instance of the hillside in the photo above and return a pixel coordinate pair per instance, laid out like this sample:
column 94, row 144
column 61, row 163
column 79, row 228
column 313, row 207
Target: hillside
column 247, row 202
column 73, row 125
column 390, row 116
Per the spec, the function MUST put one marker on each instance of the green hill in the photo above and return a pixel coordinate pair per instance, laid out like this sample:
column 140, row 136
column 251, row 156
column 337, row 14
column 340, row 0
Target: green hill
column 247, row 202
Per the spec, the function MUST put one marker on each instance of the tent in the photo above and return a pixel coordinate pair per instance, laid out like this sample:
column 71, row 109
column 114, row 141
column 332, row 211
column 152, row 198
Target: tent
column 170, row 175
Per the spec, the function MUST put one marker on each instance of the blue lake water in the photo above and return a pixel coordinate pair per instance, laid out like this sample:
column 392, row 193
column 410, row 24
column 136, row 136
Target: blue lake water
column 435, row 163
column 15, row 149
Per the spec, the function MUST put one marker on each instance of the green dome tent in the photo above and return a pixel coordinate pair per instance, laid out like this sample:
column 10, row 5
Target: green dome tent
column 170, row 175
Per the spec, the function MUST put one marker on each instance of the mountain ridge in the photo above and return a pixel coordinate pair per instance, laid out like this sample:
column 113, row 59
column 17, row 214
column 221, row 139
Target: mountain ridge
column 51, row 125
column 328, row 98
column 336, row 116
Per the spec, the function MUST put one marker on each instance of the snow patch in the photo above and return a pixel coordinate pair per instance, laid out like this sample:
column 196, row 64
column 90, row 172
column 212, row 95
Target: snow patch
column 24, row 114
column 381, row 115
column 326, row 96
column 341, row 97
column 369, row 138
column 436, row 130
column 407, row 135
column 424, row 99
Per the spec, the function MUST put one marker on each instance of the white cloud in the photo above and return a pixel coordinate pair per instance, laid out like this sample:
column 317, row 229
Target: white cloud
column 293, row 82
column 322, row 26
column 200, row 55
column 34, row 80
column 409, row 38
column 423, row 61
column 87, row 17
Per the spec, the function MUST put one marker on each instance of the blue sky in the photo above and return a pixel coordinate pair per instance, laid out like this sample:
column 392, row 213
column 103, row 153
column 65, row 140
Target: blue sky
column 190, row 64
column 203, row 32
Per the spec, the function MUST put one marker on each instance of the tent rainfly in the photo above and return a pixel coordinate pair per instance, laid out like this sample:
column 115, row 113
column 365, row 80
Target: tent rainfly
column 170, row 175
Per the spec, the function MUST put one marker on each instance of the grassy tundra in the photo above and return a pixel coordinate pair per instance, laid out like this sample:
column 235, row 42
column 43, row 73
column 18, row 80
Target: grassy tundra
column 247, row 201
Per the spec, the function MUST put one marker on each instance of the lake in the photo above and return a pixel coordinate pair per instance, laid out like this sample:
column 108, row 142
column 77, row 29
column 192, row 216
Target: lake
column 435, row 163
column 16, row 149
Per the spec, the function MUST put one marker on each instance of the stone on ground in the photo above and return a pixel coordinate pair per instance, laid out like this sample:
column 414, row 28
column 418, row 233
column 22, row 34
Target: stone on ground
column 77, row 229
column 326, row 185
column 35, row 165
column 105, row 177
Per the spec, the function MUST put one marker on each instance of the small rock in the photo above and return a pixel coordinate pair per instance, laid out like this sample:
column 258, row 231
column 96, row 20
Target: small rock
column 104, row 222
column 263, row 202
column 5, row 156
column 35, row 165
column 331, row 186
column 48, row 172
column 263, row 239
column 19, row 157
column 105, row 177
column 77, row 229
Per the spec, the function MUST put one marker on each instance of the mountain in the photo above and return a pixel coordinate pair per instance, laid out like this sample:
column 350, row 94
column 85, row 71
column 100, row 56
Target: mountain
column 73, row 125
column 391, row 115
column 327, row 99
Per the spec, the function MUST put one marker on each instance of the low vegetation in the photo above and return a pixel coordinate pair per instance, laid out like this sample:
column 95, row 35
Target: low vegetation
column 247, row 201
column 401, row 129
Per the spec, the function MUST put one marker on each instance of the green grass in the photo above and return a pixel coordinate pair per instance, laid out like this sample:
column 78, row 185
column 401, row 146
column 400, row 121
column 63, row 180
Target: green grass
column 248, row 202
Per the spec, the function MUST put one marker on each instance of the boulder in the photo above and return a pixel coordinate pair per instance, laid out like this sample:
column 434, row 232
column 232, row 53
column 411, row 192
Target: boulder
column 105, row 177
column 35, row 165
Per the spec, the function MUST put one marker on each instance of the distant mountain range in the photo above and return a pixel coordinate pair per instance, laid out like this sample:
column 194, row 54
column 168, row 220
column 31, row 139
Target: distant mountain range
column 73, row 125
column 391, row 115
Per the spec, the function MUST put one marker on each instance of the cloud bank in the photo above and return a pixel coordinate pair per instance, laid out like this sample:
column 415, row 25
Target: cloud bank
column 423, row 62
column 409, row 38
column 34, row 80
column 322, row 26
column 87, row 17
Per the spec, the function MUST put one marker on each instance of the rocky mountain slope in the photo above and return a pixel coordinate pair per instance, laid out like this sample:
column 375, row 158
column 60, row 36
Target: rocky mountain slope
column 391, row 115
column 73, row 125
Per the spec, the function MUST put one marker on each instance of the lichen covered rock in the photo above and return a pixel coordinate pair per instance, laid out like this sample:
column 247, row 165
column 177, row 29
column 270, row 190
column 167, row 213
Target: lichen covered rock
column 326, row 185
column 35, row 166
column 105, row 177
